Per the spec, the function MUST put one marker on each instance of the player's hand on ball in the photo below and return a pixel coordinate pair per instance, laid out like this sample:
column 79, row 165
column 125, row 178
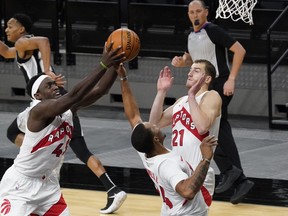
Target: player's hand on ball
column 112, row 56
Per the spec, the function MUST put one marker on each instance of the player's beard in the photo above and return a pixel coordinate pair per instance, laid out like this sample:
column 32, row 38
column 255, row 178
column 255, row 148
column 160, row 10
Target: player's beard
column 196, row 22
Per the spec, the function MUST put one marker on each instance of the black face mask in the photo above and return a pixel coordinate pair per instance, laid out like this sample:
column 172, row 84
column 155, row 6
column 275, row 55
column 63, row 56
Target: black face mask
column 196, row 22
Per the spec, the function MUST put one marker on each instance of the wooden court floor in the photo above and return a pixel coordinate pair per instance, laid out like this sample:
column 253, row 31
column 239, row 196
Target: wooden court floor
column 88, row 202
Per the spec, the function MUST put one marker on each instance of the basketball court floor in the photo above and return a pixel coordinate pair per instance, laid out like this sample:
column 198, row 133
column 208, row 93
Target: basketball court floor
column 147, row 205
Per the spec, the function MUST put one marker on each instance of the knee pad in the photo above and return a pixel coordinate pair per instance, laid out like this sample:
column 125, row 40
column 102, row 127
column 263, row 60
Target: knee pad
column 79, row 147
column 13, row 131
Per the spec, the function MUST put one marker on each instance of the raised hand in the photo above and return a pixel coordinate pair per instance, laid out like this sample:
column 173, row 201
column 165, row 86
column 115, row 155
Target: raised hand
column 112, row 57
column 165, row 79
column 196, row 86
column 207, row 146
column 59, row 79
column 121, row 71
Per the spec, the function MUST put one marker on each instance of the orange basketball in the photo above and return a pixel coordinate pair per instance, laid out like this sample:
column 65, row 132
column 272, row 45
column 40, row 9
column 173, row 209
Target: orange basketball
column 129, row 41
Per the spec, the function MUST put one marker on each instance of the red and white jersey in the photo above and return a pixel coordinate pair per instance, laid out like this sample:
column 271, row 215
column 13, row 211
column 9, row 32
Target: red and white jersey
column 186, row 140
column 166, row 171
column 41, row 151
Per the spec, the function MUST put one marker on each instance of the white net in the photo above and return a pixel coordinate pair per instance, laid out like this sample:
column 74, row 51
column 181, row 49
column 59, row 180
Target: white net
column 236, row 10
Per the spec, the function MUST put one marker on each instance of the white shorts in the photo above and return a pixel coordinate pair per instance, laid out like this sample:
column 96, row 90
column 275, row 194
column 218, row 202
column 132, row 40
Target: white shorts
column 22, row 195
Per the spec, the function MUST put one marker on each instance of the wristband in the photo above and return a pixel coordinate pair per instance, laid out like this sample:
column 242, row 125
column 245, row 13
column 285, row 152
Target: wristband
column 206, row 160
column 103, row 65
column 124, row 78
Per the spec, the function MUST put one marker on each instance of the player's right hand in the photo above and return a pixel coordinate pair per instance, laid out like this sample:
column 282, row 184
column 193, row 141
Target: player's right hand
column 121, row 70
column 165, row 79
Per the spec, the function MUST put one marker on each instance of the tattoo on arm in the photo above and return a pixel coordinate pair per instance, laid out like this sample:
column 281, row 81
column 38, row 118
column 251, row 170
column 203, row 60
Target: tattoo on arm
column 198, row 177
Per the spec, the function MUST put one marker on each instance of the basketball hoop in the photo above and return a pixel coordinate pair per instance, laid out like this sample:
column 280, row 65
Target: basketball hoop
column 236, row 10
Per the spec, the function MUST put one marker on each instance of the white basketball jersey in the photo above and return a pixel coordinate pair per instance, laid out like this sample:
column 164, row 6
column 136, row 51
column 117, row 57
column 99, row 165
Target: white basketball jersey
column 186, row 140
column 41, row 151
column 166, row 171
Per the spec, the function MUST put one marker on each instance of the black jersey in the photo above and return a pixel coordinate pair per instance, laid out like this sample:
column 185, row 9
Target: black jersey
column 31, row 66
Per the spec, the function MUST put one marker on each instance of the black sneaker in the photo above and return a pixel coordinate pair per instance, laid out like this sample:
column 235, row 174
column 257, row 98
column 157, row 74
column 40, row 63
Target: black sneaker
column 227, row 180
column 114, row 202
column 241, row 191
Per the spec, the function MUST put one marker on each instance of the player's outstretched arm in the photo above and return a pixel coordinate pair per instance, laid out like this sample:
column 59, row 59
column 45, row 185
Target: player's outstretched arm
column 81, row 89
column 7, row 52
column 164, row 83
column 130, row 105
column 102, row 88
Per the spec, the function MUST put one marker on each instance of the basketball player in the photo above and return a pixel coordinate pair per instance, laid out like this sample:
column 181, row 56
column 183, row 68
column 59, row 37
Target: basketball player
column 33, row 56
column 30, row 186
column 178, row 183
column 193, row 117
column 209, row 41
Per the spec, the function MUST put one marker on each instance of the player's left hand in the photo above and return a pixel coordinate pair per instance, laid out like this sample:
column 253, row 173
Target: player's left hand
column 60, row 80
column 208, row 145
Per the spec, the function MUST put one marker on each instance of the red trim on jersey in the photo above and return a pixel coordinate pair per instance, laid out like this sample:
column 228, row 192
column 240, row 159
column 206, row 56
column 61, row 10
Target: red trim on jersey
column 206, row 195
column 186, row 120
column 55, row 135
column 191, row 168
column 57, row 208
column 165, row 199
column 185, row 201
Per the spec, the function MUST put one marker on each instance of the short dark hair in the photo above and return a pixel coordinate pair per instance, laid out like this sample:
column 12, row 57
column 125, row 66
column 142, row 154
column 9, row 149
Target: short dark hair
column 31, row 82
column 142, row 139
column 25, row 21
column 209, row 68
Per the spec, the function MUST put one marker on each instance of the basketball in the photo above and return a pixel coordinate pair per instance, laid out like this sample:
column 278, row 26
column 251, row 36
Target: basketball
column 129, row 41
